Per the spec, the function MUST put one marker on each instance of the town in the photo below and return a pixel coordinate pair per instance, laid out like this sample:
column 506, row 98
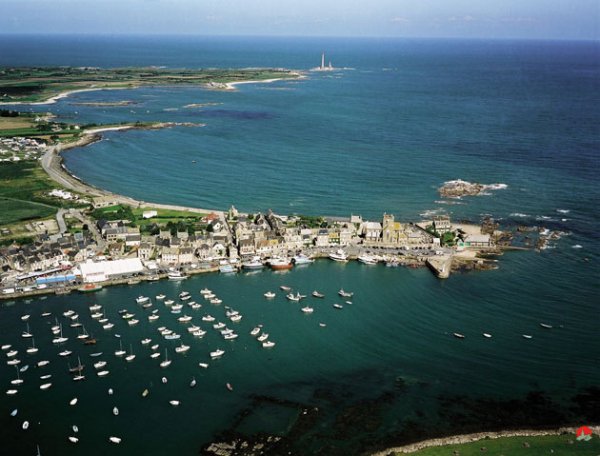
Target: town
column 115, row 244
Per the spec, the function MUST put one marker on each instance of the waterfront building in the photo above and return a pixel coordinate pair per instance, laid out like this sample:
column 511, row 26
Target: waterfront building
column 322, row 239
column 475, row 240
column 101, row 271
column 392, row 231
column 371, row 231
column 441, row 224
column 169, row 255
column 145, row 251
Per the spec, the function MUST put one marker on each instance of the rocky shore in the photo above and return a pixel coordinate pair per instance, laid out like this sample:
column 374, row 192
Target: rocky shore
column 459, row 188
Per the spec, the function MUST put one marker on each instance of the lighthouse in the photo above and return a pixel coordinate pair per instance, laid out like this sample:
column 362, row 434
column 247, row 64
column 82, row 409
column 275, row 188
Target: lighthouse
column 323, row 61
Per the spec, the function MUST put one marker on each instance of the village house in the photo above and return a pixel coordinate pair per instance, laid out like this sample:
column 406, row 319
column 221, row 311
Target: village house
column 169, row 255
column 371, row 231
column 186, row 255
column 441, row 224
column 145, row 251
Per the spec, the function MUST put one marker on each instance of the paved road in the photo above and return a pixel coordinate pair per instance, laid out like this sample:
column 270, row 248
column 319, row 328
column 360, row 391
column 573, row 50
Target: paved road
column 62, row 226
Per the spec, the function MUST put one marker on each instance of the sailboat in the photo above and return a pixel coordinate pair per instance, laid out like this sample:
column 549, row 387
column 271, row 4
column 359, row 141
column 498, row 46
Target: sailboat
column 84, row 334
column 18, row 380
column 27, row 334
column 33, row 348
column 115, row 411
column 60, row 339
column 120, row 352
column 131, row 356
column 166, row 362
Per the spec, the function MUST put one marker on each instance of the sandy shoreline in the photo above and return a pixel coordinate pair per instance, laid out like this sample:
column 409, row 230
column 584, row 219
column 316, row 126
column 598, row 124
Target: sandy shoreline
column 467, row 438
column 55, row 98
column 52, row 163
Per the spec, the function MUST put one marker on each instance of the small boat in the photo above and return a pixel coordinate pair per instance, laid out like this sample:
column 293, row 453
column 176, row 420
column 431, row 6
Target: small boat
column 182, row 348
column 133, row 322
column 43, row 363
column 166, row 362
column 186, row 297
column 219, row 325
column 155, row 347
column 99, row 364
column 235, row 318
column 153, row 317
column 130, row 357
column 193, row 382
column 338, row 306
column 46, row 314
column 269, row 295
column 164, row 380
column 169, row 302
column 302, row 259
column 208, row 318
column 113, row 439
column 24, row 368
column 142, row 299
column 160, row 297
column 339, row 256
column 285, row 288
column 229, row 387
column 45, row 377
column 217, row 353
column 230, row 336
column 25, row 425
column 89, row 288
column 25, row 317
column 102, row 373
column 115, row 411
column 268, row 344
column 458, row 335
column 75, row 429
column 90, row 341
column 174, row 403
column 293, row 297
column 176, row 307
column 26, row 334
column 199, row 333
column 367, row 259
column 345, row 294
column 146, row 341
column 527, row 336
column 255, row 331
column 145, row 392
column 14, row 412
column 95, row 307
column 487, row 335
column 65, row 353
column 73, row 439
column 12, row 353
column 176, row 275
column 263, row 337
column 13, row 362
column 45, row 386
column 205, row 291
column 545, row 325
column 95, row 355
column 203, row 365
column 110, row 391
column 172, row 336
column 155, row 355
column 108, row 326
column 216, row 301
column 11, row 392
column 316, row 294
column 184, row 319
column 280, row 264
column 73, row 401
column 6, row 347
column 254, row 263
column 322, row 325
column 227, row 269
column 120, row 351
column 307, row 310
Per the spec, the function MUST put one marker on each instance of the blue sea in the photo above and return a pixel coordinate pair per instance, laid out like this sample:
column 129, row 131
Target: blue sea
column 395, row 120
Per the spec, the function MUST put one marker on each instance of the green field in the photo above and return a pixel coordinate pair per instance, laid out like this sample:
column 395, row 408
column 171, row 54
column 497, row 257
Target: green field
column 23, row 186
column 556, row 445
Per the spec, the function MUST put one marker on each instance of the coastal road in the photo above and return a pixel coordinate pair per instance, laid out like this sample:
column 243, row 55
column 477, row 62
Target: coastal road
column 62, row 226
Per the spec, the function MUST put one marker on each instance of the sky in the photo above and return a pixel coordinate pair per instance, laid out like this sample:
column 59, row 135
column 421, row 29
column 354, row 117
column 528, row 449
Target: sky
column 502, row 19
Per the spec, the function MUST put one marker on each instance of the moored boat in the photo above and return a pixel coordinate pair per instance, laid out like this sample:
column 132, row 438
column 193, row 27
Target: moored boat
column 316, row 294
column 302, row 259
column 269, row 295
column 279, row 264
column 89, row 288
column 254, row 263
column 339, row 256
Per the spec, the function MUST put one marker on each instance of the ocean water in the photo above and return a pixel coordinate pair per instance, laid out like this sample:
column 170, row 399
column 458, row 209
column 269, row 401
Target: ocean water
column 399, row 118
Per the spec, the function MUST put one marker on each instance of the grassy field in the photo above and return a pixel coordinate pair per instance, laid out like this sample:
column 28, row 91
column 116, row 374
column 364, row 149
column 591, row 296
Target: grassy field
column 40, row 84
column 23, row 186
column 556, row 445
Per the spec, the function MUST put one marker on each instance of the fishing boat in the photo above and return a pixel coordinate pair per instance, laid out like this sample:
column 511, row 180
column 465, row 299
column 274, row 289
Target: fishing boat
column 269, row 295
column 367, row 259
column 307, row 310
column 345, row 294
column 217, row 353
column 255, row 263
column 166, row 362
column 339, row 256
column 316, row 294
column 176, row 275
column 302, row 259
column 458, row 335
column 89, row 288
column 142, row 299
column 280, row 264
column 182, row 348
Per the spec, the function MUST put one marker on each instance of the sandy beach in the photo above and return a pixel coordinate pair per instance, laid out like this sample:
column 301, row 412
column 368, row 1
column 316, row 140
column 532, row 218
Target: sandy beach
column 52, row 163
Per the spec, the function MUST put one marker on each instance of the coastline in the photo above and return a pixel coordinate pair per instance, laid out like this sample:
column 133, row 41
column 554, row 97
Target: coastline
column 53, row 165
column 53, row 99
column 468, row 438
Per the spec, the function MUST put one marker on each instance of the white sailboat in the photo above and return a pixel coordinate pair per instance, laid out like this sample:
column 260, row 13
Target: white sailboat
column 131, row 356
column 33, row 349
column 166, row 362
column 120, row 351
